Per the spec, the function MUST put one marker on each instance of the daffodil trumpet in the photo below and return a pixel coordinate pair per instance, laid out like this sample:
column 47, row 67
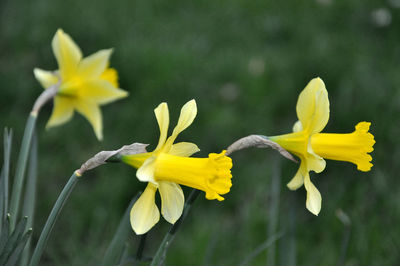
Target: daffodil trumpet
column 312, row 147
column 169, row 166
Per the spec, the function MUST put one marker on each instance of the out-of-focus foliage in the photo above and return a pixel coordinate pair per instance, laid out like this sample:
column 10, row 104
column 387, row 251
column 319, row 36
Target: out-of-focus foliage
column 245, row 63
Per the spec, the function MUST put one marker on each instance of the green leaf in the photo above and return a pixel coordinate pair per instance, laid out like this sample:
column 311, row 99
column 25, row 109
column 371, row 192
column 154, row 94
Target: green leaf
column 5, row 232
column 15, row 256
column 5, row 175
column 13, row 240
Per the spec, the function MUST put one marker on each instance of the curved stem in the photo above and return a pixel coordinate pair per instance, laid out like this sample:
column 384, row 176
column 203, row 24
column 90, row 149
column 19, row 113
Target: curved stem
column 43, row 98
column 51, row 220
column 21, row 167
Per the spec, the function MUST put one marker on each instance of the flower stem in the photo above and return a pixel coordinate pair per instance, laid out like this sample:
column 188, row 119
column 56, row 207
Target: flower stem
column 273, row 212
column 21, row 166
column 116, row 247
column 169, row 237
column 51, row 220
column 140, row 249
column 30, row 196
column 265, row 245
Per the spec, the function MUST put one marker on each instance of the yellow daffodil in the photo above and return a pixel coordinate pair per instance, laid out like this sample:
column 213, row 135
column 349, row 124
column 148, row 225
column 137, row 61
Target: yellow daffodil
column 311, row 146
column 168, row 166
column 85, row 83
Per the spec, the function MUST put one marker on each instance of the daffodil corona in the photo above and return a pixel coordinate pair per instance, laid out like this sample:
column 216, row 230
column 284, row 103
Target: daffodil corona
column 168, row 166
column 85, row 83
column 312, row 147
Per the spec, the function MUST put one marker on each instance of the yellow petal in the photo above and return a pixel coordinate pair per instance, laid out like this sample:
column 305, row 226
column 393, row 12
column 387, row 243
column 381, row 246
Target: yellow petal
column 172, row 201
column 314, row 162
column 63, row 110
column 144, row 213
column 99, row 91
column 162, row 115
column 313, row 106
column 111, row 75
column 67, row 54
column 145, row 173
column 94, row 65
column 92, row 113
column 188, row 113
column 46, row 78
column 314, row 199
column 297, row 127
column 184, row 149
column 298, row 179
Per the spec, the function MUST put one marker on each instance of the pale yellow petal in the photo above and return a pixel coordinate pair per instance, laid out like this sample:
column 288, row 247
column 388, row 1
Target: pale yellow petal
column 67, row 54
column 99, row 91
column 184, row 149
column 63, row 109
column 144, row 213
column 162, row 116
column 172, row 201
column 188, row 114
column 314, row 162
column 91, row 111
column 313, row 106
column 297, row 127
column 145, row 173
column 45, row 78
column 298, row 179
column 314, row 199
column 94, row 65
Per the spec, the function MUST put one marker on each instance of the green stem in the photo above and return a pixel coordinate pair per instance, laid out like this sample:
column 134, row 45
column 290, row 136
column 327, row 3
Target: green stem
column 267, row 244
column 288, row 246
column 140, row 249
column 30, row 196
column 116, row 247
column 273, row 212
column 169, row 237
column 51, row 220
column 5, row 175
column 21, row 166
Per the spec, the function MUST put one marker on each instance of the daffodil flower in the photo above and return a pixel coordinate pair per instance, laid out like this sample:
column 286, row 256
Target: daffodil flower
column 85, row 83
column 168, row 166
column 312, row 147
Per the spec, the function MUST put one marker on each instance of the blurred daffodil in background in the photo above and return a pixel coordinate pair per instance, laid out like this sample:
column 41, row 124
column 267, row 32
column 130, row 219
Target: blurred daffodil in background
column 84, row 83
column 312, row 147
column 168, row 166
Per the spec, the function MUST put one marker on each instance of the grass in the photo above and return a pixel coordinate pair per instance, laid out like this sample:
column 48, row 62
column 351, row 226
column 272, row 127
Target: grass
column 245, row 63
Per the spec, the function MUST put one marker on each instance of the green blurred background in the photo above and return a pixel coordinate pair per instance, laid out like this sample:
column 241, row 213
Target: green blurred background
column 245, row 63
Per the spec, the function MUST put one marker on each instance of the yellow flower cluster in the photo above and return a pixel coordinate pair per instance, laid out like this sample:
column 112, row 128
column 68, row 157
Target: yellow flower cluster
column 87, row 83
